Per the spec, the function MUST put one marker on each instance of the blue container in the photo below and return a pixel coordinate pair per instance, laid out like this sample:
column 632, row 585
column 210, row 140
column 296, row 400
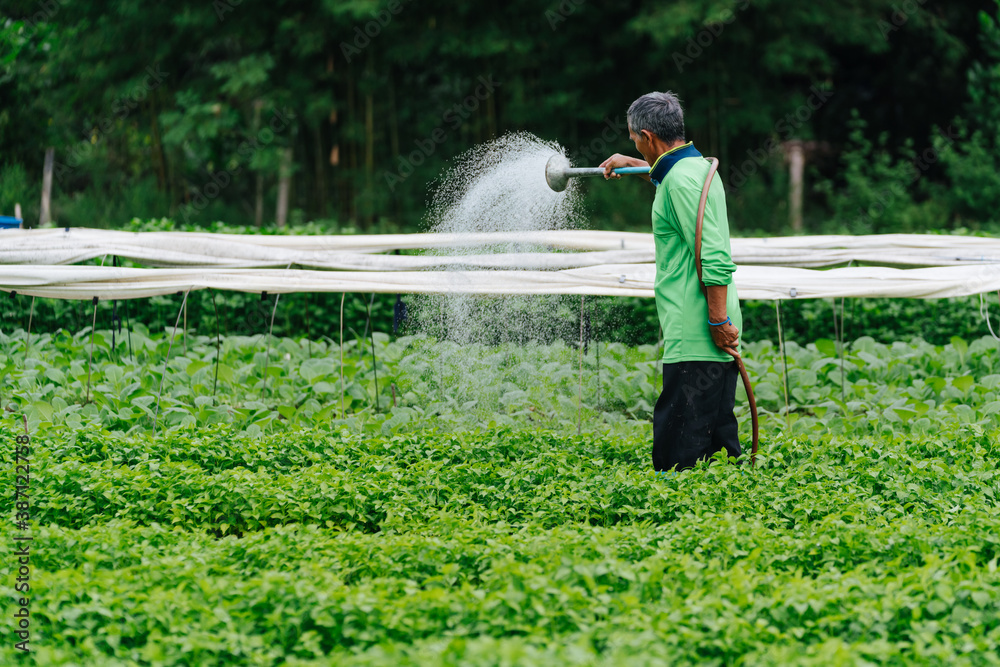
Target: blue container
column 7, row 222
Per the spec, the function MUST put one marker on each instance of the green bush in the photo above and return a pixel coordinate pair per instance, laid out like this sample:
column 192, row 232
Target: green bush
column 877, row 192
column 973, row 162
column 16, row 188
column 933, row 320
column 110, row 205
column 256, row 527
column 499, row 547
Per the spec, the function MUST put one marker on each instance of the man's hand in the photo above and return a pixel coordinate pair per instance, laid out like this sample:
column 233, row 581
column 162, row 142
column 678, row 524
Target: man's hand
column 726, row 337
column 618, row 161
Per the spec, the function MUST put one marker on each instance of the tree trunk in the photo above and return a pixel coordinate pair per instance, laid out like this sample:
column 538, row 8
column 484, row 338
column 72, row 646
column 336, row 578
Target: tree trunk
column 46, row 213
column 284, row 185
column 491, row 116
column 258, row 209
column 796, row 169
column 351, row 147
column 161, row 166
column 320, row 173
column 258, row 205
column 394, row 140
column 370, row 141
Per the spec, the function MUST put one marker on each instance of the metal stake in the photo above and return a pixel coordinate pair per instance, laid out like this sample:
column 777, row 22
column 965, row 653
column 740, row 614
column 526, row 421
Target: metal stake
column 27, row 342
column 267, row 351
column 90, row 359
column 343, row 414
column 218, row 345
column 378, row 408
column 170, row 345
column 579, row 400
column 784, row 363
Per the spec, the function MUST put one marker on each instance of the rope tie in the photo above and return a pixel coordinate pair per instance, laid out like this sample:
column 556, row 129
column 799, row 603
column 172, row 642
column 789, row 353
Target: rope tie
column 984, row 312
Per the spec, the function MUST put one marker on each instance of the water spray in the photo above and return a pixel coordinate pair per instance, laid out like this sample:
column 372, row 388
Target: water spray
column 558, row 171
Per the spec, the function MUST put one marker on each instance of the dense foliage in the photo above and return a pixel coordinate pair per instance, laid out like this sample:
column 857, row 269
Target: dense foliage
column 374, row 97
column 144, row 383
column 269, row 531
column 509, row 548
column 468, row 523
column 631, row 321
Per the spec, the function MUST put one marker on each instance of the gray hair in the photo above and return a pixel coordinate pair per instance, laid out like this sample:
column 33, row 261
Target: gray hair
column 660, row 113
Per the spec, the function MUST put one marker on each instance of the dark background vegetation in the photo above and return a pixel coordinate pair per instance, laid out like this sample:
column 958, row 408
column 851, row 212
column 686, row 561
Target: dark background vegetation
column 148, row 103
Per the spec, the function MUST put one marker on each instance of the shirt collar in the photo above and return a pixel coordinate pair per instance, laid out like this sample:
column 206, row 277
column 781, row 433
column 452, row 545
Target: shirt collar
column 666, row 162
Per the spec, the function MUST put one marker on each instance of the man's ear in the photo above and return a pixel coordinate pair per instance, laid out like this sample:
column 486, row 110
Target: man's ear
column 647, row 136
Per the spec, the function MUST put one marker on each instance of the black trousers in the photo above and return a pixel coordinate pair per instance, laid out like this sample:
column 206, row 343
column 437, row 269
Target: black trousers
column 693, row 418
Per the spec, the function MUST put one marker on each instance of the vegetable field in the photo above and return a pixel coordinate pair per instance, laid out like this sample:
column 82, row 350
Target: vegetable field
column 189, row 512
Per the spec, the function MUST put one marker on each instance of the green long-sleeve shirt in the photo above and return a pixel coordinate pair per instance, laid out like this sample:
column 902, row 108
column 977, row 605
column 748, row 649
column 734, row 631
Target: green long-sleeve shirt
column 680, row 304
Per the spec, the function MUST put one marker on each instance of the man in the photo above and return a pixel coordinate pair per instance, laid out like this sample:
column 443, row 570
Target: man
column 693, row 418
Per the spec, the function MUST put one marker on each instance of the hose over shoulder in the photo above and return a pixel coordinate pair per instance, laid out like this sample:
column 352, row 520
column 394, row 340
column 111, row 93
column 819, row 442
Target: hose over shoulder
column 697, row 263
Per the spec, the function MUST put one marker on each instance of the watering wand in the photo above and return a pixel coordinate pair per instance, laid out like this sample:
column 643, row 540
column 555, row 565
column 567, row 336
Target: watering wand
column 558, row 172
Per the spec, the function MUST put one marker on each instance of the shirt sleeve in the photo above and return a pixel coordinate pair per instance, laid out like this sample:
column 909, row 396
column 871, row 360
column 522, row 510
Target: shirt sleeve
column 716, row 257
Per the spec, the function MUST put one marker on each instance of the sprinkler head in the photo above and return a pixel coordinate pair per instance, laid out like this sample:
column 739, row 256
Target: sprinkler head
column 555, row 172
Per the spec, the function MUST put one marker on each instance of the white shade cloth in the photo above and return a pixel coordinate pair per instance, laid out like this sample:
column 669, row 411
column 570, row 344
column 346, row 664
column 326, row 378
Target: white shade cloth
column 41, row 263
column 752, row 282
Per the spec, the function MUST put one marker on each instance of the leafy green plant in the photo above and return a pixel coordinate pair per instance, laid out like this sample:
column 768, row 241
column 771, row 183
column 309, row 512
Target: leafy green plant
column 436, row 547
column 471, row 524
column 971, row 162
column 15, row 189
column 877, row 193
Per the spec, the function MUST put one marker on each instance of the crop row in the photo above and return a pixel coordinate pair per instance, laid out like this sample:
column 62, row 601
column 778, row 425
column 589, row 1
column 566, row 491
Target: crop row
column 470, row 552
column 223, row 447
column 287, row 383
column 191, row 606
column 399, row 483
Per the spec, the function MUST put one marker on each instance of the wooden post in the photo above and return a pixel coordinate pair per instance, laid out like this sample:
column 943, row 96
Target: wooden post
column 319, row 164
column 17, row 212
column 796, row 169
column 283, row 186
column 350, row 147
column 258, row 210
column 46, row 213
